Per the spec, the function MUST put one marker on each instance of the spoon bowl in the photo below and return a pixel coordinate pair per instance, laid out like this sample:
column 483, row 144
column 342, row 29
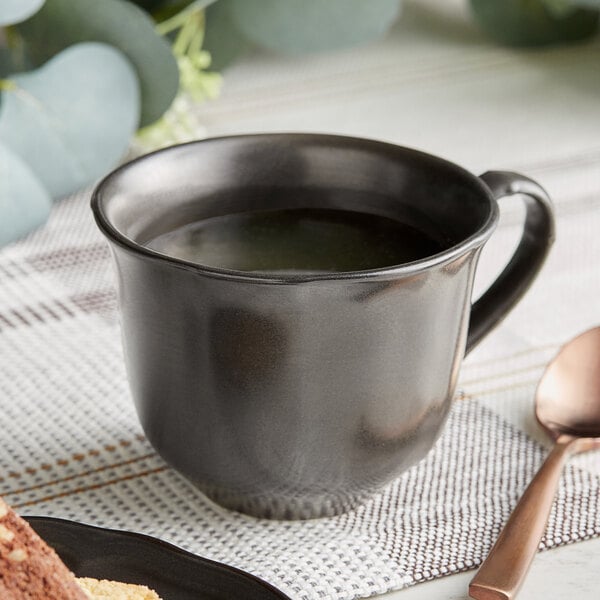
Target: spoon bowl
column 567, row 400
column 567, row 406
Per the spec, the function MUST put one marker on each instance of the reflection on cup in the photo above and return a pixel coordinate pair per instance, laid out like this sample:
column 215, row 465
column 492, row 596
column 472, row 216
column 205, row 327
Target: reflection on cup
column 293, row 343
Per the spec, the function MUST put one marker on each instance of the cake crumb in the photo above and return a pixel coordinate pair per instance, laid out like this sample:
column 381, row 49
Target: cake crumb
column 114, row 590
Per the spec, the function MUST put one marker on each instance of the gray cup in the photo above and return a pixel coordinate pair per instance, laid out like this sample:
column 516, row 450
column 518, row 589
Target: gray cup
column 299, row 396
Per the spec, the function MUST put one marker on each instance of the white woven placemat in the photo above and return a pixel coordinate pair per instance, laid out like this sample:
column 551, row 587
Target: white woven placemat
column 71, row 445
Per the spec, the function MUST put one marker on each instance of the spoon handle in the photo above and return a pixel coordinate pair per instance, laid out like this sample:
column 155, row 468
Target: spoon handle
column 503, row 571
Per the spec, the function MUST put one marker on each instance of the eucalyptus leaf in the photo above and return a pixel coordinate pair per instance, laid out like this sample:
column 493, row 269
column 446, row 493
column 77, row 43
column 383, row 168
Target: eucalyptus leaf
column 24, row 203
column 15, row 11
column 533, row 22
column 587, row 3
column 61, row 23
column 6, row 62
column 12, row 56
column 72, row 119
column 152, row 5
column 297, row 26
column 559, row 8
column 222, row 39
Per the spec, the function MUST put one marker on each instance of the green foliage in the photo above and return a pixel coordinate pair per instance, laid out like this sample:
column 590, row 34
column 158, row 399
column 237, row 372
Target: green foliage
column 588, row 3
column 65, row 119
column 223, row 40
column 163, row 10
column 78, row 77
column 6, row 62
column 61, row 23
column 187, row 30
column 296, row 26
column 559, row 8
column 534, row 22
column 152, row 5
column 24, row 203
column 15, row 11
column 192, row 60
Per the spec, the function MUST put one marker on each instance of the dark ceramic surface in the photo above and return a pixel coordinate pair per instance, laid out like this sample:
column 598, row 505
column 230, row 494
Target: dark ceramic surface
column 133, row 558
column 298, row 396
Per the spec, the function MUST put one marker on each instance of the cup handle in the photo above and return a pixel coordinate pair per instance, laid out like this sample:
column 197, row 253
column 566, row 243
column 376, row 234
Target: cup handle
column 517, row 276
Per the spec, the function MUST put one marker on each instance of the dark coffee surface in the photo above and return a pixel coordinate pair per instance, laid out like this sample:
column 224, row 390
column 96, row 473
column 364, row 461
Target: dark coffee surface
column 297, row 241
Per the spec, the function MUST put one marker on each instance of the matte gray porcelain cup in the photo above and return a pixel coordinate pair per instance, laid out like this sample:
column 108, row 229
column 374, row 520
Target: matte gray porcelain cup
column 299, row 396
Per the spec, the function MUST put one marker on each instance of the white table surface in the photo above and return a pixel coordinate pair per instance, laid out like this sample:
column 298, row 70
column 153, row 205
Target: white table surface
column 437, row 84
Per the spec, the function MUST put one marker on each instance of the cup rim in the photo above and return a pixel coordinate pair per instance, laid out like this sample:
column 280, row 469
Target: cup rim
column 448, row 255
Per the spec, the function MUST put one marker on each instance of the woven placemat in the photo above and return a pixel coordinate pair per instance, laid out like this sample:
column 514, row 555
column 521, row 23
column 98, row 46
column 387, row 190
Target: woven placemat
column 72, row 447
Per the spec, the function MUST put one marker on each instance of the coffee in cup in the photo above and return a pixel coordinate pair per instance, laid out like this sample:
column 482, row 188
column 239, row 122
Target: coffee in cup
column 295, row 308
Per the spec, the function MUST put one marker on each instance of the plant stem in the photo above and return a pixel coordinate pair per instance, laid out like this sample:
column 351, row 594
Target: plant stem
column 184, row 37
column 7, row 85
column 198, row 39
column 180, row 18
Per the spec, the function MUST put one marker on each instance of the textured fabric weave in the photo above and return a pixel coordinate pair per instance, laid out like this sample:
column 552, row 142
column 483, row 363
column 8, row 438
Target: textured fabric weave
column 72, row 446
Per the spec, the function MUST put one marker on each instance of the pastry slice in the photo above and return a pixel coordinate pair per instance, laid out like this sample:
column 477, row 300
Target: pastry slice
column 31, row 570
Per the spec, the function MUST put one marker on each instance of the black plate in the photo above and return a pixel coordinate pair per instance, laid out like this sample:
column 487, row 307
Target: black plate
column 123, row 556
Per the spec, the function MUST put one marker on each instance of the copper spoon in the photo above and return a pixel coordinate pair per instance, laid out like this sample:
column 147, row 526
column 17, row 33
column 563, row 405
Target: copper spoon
column 567, row 406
